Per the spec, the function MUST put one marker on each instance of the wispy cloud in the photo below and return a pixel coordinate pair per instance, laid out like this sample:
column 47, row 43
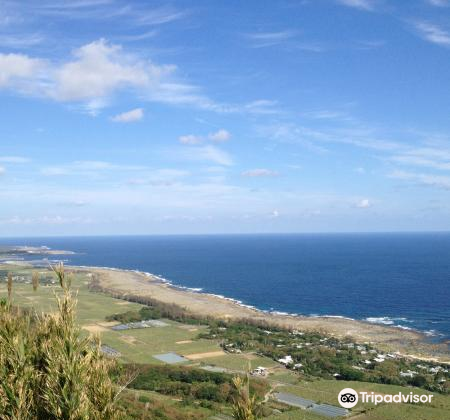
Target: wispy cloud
column 88, row 168
column 159, row 16
column 429, row 157
column 261, row 172
column 433, row 33
column 364, row 203
column 129, row 116
column 439, row 3
column 20, row 41
column 269, row 39
column 14, row 159
column 46, row 220
column 138, row 14
column 368, row 5
column 139, row 37
column 219, row 136
column 438, row 181
column 260, row 107
column 190, row 139
column 159, row 177
column 205, row 153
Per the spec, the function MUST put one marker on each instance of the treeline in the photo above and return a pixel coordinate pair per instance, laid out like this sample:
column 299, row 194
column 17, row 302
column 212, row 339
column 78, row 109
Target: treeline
column 154, row 312
column 190, row 383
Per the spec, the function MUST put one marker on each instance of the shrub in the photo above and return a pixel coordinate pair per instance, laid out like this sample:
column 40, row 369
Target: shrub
column 47, row 370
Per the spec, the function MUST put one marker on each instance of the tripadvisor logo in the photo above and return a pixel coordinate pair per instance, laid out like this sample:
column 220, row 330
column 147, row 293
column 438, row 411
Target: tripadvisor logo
column 348, row 398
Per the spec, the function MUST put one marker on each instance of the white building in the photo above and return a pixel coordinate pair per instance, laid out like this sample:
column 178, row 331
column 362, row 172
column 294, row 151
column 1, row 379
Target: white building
column 260, row 371
column 286, row 360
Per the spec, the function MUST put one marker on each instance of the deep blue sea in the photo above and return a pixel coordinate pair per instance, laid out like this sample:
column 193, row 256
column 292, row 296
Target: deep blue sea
column 395, row 279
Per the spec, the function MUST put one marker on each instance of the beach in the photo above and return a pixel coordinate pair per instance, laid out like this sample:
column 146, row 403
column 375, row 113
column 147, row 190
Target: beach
column 125, row 283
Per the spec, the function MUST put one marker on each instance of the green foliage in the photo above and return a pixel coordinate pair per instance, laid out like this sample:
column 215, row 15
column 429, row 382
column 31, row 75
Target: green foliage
column 321, row 356
column 47, row 370
column 183, row 382
column 189, row 383
column 245, row 405
column 156, row 311
column 156, row 409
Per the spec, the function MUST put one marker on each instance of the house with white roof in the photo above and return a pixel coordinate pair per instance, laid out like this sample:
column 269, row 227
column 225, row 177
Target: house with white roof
column 286, row 360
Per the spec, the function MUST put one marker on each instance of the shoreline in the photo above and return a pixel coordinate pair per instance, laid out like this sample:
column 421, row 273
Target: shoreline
column 379, row 320
column 123, row 283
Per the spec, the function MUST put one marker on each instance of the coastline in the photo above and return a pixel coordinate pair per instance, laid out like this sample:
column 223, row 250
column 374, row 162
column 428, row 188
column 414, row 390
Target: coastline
column 126, row 283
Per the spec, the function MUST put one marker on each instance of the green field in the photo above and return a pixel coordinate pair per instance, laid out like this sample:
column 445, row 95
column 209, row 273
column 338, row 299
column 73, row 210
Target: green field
column 135, row 345
column 326, row 391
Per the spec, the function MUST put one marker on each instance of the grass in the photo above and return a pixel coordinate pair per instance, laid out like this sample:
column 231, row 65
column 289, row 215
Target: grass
column 240, row 362
column 48, row 369
column 296, row 414
column 151, row 341
column 326, row 391
column 135, row 345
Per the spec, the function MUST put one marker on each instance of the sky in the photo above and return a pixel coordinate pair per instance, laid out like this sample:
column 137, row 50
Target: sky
column 198, row 117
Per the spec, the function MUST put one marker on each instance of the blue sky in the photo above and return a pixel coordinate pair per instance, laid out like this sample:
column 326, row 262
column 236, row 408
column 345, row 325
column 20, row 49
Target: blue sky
column 224, row 116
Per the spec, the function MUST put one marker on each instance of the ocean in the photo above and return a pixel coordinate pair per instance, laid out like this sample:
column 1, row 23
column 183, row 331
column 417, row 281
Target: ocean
column 401, row 280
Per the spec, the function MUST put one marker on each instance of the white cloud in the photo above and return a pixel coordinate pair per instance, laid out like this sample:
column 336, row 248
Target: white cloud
column 13, row 159
column 253, row 173
column 47, row 220
column 159, row 177
column 219, row 136
column 421, row 161
column 360, row 170
column 437, row 181
column 275, row 214
column 190, row 139
column 20, row 41
column 429, row 157
column 2, row 170
column 95, row 73
column 206, row 153
column 91, row 10
column 439, row 3
column 261, row 106
column 99, row 69
column 17, row 68
column 215, row 155
column 268, row 39
column 364, row 203
column 368, row 5
column 129, row 116
column 87, row 167
column 433, row 33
